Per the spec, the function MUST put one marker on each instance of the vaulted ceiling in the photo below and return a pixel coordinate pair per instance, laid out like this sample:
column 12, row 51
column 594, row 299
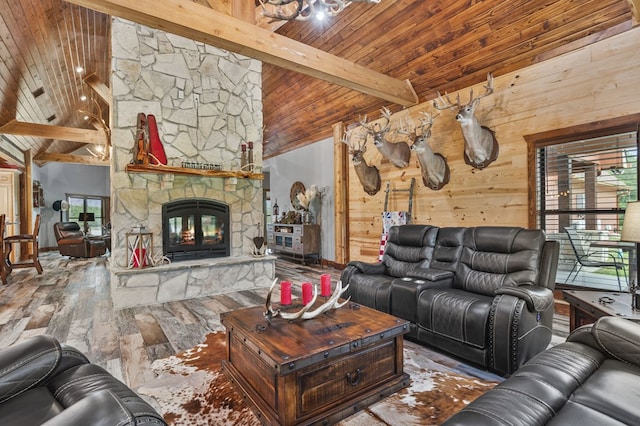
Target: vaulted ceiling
column 437, row 45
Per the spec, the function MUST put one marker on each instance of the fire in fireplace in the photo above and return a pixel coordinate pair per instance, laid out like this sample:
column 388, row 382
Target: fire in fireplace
column 195, row 228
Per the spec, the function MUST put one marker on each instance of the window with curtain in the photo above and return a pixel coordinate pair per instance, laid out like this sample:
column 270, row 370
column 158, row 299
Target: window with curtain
column 582, row 189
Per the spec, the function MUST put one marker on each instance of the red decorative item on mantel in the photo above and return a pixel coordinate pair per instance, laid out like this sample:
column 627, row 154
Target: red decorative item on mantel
column 156, row 150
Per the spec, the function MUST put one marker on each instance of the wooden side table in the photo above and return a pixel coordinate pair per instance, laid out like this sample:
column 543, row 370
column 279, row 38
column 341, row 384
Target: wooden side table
column 585, row 307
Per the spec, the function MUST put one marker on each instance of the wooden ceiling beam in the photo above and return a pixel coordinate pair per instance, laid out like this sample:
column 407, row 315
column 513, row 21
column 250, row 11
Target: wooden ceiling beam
column 18, row 128
column 70, row 158
column 200, row 23
column 101, row 89
column 635, row 10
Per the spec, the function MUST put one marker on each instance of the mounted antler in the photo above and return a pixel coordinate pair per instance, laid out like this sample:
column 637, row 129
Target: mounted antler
column 398, row 153
column 304, row 313
column 480, row 144
column 369, row 176
column 101, row 124
column 434, row 168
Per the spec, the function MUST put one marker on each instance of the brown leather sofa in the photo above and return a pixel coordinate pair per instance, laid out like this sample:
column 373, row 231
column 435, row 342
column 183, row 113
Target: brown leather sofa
column 72, row 241
column 483, row 294
column 43, row 382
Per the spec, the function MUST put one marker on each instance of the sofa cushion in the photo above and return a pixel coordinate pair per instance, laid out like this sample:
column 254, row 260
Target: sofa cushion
column 456, row 314
column 32, row 407
column 373, row 291
column 75, row 384
column 493, row 257
column 409, row 247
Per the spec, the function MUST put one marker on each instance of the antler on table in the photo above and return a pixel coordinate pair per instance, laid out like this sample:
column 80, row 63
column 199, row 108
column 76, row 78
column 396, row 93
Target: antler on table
column 304, row 313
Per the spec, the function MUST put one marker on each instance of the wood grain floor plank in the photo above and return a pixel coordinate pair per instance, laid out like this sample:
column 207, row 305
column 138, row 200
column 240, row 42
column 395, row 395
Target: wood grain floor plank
column 41, row 317
column 150, row 330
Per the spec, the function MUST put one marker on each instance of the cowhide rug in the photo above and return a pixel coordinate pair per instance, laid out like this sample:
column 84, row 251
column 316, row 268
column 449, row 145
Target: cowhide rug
column 191, row 389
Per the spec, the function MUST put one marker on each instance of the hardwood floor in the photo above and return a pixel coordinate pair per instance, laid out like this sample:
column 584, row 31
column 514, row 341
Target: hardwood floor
column 71, row 301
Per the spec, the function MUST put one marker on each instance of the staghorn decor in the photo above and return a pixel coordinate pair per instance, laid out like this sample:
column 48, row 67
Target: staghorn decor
column 303, row 10
column 480, row 144
column 434, row 167
column 399, row 152
column 102, row 151
column 369, row 176
column 305, row 313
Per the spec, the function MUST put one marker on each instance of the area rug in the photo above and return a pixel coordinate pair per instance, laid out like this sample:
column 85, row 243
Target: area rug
column 191, row 389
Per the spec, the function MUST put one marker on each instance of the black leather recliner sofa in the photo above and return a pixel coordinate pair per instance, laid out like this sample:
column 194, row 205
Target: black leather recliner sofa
column 591, row 379
column 45, row 383
column 483, row 294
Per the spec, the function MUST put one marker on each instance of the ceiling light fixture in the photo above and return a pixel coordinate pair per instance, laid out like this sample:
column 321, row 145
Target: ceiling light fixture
column 79, row 69
column 304, row 10
column 83, row 98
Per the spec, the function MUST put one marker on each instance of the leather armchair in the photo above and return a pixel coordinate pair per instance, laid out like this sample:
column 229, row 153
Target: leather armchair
column 72, row 241
column 45, row 383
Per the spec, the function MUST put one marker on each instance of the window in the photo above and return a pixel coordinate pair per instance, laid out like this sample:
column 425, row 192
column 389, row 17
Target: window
column 584, row 186
column 92, row 204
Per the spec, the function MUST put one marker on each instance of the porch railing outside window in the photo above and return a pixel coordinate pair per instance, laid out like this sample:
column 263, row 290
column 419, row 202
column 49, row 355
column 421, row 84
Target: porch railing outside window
column 586, row 185
column 89, row 204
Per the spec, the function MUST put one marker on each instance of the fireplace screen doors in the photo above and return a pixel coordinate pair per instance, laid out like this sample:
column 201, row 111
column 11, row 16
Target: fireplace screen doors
column 195, row 228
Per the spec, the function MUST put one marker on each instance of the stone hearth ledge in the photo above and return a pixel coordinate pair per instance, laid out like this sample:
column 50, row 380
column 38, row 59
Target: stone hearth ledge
column 188, row 279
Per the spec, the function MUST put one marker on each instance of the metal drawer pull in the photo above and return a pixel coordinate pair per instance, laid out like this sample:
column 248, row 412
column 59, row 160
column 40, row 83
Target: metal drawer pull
column 356, row 379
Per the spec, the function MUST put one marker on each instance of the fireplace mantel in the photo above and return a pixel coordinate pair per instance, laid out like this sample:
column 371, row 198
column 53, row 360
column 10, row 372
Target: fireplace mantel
column 140, row 168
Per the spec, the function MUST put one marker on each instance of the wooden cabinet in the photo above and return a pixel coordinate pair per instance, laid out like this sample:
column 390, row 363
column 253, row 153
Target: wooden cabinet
column 297, row 241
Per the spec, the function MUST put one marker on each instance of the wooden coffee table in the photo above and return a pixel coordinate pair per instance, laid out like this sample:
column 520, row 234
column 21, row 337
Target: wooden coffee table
column 586, row 306
column 315, row 371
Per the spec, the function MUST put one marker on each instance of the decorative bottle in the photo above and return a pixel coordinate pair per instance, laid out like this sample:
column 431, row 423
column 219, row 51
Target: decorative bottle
column 243, row 156
column 250, row 165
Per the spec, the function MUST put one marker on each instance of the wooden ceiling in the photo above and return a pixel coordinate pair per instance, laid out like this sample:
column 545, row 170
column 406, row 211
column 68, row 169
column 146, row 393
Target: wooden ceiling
column 436, row 45
column 41, row 44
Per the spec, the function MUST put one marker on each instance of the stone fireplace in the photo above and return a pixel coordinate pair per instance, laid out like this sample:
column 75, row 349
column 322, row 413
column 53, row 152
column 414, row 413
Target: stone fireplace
column 207, row 102
column 195, row 228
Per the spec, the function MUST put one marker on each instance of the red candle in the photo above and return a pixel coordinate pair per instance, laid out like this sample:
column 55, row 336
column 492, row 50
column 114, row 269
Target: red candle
column 325, row 285
column 285, row 293
column 307, row 293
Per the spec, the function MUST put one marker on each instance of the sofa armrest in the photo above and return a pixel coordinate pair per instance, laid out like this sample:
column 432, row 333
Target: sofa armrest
column 368, row 268
column 538, row 299
column 101, row 408
column 618, row 337
column 430, row 274
column 26, row 364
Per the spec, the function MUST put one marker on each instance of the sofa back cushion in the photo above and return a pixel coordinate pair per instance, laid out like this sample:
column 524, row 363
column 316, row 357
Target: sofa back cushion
column 64, row 230
column 495, row 256
column 448, row 248
column 409, row 247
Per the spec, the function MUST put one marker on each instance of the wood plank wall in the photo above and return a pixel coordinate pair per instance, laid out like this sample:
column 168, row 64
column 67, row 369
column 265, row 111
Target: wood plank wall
column 598, row 82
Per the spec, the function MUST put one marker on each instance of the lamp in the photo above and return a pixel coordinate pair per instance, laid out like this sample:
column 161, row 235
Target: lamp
column 631, row 232
column 304, row 10
column 86, row 217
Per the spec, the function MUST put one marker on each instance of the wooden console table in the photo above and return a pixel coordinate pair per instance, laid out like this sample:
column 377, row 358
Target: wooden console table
column 585, row 307
column 315, row 371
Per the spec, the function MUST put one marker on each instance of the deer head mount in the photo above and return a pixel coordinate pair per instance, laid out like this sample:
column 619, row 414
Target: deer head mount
column 369, row 176
column 434, row 167
column 398, row 153
column 480, row 144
